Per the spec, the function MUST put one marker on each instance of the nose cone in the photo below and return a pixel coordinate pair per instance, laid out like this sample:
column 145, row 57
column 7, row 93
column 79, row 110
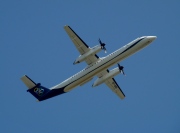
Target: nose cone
column 152, row 38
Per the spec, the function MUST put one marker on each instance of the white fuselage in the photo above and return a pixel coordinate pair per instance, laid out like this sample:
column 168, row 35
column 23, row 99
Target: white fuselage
column 104, row 63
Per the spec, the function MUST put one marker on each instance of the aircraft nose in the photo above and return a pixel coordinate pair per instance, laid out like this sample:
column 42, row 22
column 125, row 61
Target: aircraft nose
column 152, row 38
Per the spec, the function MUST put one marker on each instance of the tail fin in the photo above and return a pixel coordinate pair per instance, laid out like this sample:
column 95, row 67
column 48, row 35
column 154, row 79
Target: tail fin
column 36, row 90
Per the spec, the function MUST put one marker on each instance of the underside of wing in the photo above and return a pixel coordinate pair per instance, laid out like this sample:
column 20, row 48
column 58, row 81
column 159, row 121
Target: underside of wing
column 91, row 59
column 81, row 46
column 112, row 84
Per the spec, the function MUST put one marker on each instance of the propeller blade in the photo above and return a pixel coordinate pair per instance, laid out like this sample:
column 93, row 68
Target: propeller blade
column 100, row 41
column 102, row 45
column 123, row 73
column 104, row 49
column 121, row 69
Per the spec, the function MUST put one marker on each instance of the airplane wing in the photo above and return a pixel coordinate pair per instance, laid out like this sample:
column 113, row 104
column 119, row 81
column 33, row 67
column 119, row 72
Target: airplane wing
column 112, row 84
column 81, row 46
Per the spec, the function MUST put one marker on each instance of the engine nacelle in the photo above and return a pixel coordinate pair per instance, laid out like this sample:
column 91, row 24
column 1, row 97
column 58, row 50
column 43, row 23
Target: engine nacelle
column 109, row 75
column 92, row 51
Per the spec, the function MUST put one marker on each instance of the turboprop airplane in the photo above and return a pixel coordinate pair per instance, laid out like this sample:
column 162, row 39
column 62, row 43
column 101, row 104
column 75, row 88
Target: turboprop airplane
column 96, row 66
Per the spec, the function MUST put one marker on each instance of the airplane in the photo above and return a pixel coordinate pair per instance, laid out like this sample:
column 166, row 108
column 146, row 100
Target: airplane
column 96, row 66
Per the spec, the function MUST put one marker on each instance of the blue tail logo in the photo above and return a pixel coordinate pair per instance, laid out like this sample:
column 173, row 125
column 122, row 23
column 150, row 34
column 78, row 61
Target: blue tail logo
column 39, row 91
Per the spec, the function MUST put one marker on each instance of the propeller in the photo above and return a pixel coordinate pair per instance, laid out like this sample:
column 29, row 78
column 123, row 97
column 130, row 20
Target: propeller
column 121, row 69
column 102, row 45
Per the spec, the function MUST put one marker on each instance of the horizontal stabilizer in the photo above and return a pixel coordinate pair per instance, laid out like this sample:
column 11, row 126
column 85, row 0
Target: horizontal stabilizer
column 28, row 82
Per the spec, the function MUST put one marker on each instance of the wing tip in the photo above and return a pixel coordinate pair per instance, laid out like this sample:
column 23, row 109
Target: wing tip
column 67, row 26
column 122, row 98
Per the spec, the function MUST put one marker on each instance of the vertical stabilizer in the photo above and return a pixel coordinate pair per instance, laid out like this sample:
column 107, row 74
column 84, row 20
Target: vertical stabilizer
column 36, row 90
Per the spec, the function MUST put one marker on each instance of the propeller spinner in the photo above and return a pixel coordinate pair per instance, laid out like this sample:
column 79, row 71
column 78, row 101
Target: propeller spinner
column 102, row 45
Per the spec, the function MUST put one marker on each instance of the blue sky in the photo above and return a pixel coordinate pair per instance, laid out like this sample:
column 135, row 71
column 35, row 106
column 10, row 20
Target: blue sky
column 33, row 42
